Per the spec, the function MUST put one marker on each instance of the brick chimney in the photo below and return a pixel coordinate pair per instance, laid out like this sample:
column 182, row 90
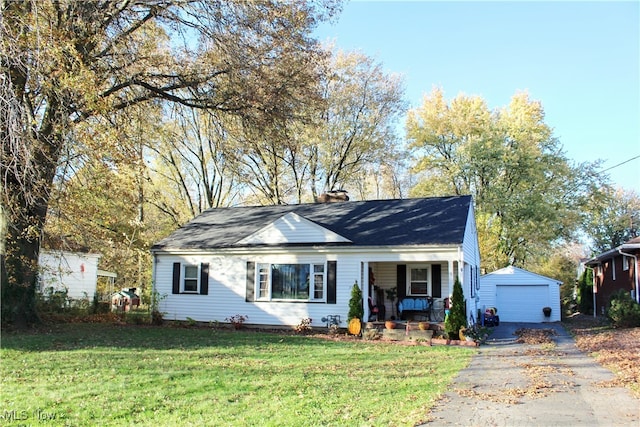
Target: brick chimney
column 333, row 196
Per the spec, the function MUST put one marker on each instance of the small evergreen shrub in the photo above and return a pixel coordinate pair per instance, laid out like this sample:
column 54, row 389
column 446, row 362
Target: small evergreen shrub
column 457, row 317
column 356, row 308
column 585, row 292
column 623, row 311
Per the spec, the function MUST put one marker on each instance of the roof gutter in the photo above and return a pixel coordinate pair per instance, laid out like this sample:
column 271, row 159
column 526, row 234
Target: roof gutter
column 635, row 271
column 593, row 289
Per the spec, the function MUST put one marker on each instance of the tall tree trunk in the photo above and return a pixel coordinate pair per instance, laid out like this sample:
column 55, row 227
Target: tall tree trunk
column 20, row 277
column 25, row 204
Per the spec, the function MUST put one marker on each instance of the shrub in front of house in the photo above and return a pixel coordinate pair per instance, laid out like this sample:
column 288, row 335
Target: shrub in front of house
column 623, row 311
column 356, row 309
column 457, row 317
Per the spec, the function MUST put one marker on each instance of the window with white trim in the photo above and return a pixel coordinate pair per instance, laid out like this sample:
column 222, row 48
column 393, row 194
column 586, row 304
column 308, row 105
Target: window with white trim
column 613, row 268
column 190, row 278
column 291, row 282
column 418, row 280
column 318, row 282
column 263, row 281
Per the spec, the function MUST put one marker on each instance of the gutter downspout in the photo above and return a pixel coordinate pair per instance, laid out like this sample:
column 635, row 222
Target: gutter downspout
column 154, row 299
column 635, row 270
column 593, row 288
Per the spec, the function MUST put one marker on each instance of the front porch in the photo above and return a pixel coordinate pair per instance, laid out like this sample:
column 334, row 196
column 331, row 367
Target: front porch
column 413, row 290
column 406, row 330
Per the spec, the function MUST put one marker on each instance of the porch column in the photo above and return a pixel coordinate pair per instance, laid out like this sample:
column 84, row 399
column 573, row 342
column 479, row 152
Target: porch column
column 451, row 276
column 364, row 286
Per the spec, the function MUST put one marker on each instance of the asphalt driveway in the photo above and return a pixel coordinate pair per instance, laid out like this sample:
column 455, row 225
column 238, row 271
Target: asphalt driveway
column 514, row 384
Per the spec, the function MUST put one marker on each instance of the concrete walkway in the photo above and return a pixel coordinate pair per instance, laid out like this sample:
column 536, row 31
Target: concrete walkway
column 512, row 384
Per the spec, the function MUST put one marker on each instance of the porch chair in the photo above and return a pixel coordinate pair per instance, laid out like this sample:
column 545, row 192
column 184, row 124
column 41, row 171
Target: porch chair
column 375, row 312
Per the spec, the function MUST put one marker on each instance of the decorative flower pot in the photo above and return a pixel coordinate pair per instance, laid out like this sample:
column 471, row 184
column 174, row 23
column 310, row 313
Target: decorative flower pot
column 390, row 324
column 423, row 326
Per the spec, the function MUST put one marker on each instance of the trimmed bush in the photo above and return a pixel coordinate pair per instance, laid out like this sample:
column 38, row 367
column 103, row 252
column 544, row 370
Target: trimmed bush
column 356, row 309
column 457, row 317
column 623, row 311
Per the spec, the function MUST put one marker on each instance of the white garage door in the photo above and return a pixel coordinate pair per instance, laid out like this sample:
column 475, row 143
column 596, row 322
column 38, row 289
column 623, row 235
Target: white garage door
column 521, row 303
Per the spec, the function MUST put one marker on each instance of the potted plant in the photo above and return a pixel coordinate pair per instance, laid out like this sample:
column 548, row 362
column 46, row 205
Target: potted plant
column 356, row 308
column 546, row 311
column 390, row 324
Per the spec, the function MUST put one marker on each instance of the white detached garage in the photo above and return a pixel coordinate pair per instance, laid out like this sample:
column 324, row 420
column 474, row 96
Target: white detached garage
column 520, row 295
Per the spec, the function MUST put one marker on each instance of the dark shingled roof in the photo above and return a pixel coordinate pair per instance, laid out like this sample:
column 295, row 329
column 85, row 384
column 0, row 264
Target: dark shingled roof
column 424, row 221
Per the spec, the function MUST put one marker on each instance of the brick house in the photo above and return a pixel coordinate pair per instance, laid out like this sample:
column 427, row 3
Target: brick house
column 613, row 270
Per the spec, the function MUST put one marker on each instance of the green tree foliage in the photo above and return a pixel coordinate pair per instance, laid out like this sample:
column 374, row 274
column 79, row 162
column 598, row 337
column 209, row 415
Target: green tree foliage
column 561, row 264
column 335, row 143
column 613, row 219
column 356, row 130
column 527, row 193
column 356, row 307
column 457, row 316
column 67, row 65
column 192, row 164
column 623, row 311
column 584, row 297
column 98, row 209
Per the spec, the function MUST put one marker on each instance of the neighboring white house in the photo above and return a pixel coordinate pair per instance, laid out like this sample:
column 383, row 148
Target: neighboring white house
column 281, row 264
column 76, row 272
column 520, row 295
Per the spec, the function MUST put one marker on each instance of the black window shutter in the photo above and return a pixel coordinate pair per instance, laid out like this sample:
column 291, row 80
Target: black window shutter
column 436, row 281
column 204, row 278
column 331, row 282
column 251, row 281
column 176, row 278
column 401, row 281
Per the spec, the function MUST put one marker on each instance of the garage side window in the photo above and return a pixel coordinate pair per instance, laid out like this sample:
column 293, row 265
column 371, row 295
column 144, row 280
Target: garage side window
column 190, row 281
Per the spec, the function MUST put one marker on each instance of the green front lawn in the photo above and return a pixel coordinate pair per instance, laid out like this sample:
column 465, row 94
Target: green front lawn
column 96, row 374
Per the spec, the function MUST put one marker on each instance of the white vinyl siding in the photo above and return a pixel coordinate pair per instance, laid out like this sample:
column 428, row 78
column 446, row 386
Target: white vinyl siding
column 227, row 290
column 292, row 228
column 75, row 272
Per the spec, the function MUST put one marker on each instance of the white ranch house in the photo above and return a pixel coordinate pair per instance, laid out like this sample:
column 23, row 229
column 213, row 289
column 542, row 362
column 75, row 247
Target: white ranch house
column 281, row 264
